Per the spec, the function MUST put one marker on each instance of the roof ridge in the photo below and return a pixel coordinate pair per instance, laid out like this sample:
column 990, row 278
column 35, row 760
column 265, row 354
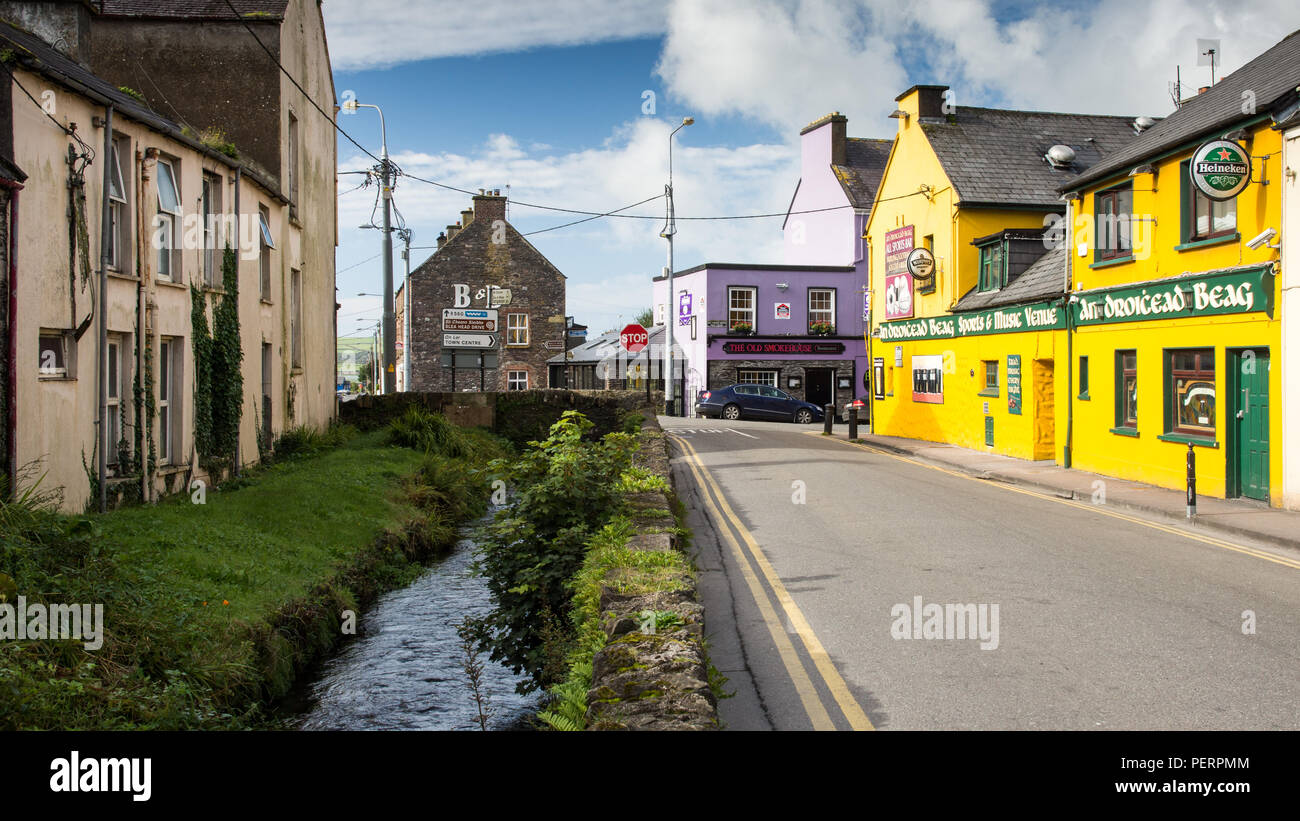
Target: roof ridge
column 1124, row 117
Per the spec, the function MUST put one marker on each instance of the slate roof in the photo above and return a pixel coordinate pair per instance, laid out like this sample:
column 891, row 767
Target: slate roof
column 1272, row 77
column 192, row 9
column 599, row 348
column 865, row 165
column 995, row 156
column 1044, row 279
column 35, row 55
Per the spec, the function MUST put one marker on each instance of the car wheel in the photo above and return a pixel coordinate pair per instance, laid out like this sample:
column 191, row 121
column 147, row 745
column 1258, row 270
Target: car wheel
column 731, row 412
column 803, row 416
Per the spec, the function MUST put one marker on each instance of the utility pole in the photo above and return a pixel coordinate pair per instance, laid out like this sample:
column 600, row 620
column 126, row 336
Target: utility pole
column 670, row 315
column 405, row 234
column 386, row 192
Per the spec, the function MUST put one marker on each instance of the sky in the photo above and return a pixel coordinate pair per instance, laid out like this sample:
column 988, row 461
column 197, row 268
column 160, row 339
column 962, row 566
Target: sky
column 569, row 104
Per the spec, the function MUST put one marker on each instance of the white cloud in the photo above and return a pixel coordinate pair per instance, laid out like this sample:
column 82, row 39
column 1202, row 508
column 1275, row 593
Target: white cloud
column 380, row 33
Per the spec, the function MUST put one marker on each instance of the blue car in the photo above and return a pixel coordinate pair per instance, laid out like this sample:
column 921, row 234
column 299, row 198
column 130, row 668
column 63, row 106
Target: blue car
column 746, row 401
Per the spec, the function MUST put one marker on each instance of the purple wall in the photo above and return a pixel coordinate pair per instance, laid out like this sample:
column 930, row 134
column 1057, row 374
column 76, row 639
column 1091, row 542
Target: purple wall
column 847, row 282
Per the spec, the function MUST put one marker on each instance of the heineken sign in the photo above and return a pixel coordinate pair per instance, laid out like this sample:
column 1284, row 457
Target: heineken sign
column 1041, row 316
column 1227, row 292
column 1220, row 169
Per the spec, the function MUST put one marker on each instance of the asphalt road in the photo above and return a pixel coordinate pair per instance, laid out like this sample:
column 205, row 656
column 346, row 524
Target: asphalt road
column 1104, row 620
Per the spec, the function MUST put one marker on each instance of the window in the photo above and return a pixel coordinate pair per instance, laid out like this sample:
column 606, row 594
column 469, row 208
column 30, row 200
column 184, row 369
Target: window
column 53, row 356
column 517, row 380
column 119, row 236
column 292, row 162
column 1083, row 378
column 1204, row 218
column 267, row 375
column 1191, row 391
column 116, row 376
column 742, row 307
column 169, row 354
column 757, row 377
column 1126, row 389
column 295, row 317
column 1114, row 223
column 516, row 329
column 821, row 306
column 990, row 378
column 212, row 240
column 264, row 257
column 168, row 224
column 992, row 267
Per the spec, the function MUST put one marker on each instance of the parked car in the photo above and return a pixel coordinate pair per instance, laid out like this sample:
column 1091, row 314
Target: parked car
column 746, row 401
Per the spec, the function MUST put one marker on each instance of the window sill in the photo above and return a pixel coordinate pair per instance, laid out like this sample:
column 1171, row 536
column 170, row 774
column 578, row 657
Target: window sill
column 213, row 289
column 1106, row 263
column 1185, row 439
column 167, row 283
column 121, row 274
column 1125, row 432
column 296, row 370
column 1206, row 243
column 989, row 392
column 265, row 301
column 56, row 377
column 295, row 220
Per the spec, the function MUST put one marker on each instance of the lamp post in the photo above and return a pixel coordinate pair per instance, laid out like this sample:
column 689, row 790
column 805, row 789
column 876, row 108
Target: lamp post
column 386, row 190
column 670, row 315
column 405, row 234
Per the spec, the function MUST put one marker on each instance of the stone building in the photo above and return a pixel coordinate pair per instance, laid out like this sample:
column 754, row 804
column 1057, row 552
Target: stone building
column 153, row 203
column 487, row 309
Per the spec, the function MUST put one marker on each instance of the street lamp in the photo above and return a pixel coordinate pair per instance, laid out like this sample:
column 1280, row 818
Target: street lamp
column 670, row 315
column 386, row 187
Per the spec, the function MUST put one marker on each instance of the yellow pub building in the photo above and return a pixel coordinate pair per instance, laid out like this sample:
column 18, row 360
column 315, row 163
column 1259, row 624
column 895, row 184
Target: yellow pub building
column 1101, row 292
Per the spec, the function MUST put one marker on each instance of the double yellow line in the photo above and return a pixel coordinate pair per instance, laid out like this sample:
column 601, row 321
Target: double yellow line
column 752, row 563
column 1093, row 508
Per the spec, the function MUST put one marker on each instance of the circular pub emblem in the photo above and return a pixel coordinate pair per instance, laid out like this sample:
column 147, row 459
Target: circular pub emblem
column 920, row 263
column 1220, row 169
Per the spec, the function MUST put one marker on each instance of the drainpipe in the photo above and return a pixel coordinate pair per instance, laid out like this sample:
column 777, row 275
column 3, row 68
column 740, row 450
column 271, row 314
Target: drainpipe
column 239, row 462
column 1066, row 303
column 11, row 444
column 142, row 325
column 101, row 368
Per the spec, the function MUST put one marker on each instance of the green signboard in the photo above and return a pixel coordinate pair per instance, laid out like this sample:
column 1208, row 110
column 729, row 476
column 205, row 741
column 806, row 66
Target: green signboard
column 1226, row 292
column 1041, row 316
column 1013, row 383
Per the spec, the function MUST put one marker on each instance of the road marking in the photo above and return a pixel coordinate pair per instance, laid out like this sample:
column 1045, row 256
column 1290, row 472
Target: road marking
column 1210, row 540
column 733, row 430
column 821, row 659
column 803, row 685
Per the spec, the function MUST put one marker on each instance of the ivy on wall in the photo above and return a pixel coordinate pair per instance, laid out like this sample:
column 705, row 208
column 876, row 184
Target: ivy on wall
column 202, row 373
column 226, row 375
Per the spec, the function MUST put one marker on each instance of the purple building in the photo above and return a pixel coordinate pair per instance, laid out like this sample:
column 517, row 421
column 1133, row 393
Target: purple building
column 797, row 326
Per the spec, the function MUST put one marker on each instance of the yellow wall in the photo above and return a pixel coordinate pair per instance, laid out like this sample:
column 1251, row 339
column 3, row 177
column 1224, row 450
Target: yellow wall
column 960, row 419
column 1146, row 458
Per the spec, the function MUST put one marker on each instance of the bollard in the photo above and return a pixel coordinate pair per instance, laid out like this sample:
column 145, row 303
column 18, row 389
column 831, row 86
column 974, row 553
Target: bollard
column 830, row 419
column 1191, row 481
column 853, row 422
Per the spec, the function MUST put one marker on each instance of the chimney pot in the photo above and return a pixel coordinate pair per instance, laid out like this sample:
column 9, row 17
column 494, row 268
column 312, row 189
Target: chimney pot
column 1202, row 90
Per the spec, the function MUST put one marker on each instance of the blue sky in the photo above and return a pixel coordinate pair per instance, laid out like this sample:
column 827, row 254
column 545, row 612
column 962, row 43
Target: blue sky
column 548, row 100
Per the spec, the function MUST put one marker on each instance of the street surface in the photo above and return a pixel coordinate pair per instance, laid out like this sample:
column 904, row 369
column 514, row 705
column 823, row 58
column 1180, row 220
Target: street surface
column 808, row 549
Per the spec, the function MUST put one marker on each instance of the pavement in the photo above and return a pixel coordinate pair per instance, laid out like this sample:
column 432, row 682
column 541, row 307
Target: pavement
column 1237, row 517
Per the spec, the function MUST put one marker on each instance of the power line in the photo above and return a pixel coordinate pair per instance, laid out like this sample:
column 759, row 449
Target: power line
column 359, row 264
column 302, row 90
column 597, row 216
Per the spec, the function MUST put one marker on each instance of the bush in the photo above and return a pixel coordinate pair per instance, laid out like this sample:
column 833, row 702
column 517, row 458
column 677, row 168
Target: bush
column 565, row 489
column 305, row 440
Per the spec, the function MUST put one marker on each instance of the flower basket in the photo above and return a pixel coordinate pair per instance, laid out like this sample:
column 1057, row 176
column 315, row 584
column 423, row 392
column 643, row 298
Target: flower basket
column 821, row 329
column 742, row 329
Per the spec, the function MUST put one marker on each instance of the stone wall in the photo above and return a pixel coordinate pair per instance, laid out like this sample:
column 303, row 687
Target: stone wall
column 647, row 679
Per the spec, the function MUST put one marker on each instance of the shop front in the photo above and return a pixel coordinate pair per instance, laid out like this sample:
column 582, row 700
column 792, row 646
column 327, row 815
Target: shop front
column 828, row 372
column 1187, row 360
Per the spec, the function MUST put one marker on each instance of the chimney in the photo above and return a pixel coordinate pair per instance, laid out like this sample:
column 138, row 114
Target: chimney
column 490, row 207
column 923, row 102
column 442, row 240
column 452, row 231
column 837, row 125
column 1202, row 90
column 466, row 217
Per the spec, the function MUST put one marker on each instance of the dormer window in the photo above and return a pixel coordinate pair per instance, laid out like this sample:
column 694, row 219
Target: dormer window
column 993, row 266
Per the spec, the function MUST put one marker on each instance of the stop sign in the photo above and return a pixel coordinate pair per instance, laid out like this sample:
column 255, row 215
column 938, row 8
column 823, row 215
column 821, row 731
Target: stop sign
column 634, row 338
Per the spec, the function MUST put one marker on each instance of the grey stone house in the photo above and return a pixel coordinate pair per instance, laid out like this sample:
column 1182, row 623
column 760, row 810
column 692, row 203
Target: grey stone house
column 487, row 309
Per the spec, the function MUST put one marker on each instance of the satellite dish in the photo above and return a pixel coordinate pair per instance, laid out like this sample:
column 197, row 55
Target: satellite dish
column 1060, row 155
column 1143, row 123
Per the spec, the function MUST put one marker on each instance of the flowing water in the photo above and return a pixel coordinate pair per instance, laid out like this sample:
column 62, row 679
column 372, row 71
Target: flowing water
column 405, row 670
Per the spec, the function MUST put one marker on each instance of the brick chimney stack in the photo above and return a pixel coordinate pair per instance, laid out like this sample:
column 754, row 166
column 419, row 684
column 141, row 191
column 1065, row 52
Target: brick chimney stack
column 452, row 231
column 490, row 206
column 466, row 217
column 442, row 240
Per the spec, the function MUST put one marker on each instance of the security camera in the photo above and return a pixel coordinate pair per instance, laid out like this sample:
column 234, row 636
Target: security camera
column 1262, row 240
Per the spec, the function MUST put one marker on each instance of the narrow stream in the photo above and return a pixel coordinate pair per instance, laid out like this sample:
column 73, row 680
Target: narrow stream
column 405, row 670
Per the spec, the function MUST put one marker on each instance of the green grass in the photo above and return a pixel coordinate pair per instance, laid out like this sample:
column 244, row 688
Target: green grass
column 211, row 610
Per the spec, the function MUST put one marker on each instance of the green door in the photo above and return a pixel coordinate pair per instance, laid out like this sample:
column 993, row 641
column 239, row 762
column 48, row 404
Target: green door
column 1251, row 420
